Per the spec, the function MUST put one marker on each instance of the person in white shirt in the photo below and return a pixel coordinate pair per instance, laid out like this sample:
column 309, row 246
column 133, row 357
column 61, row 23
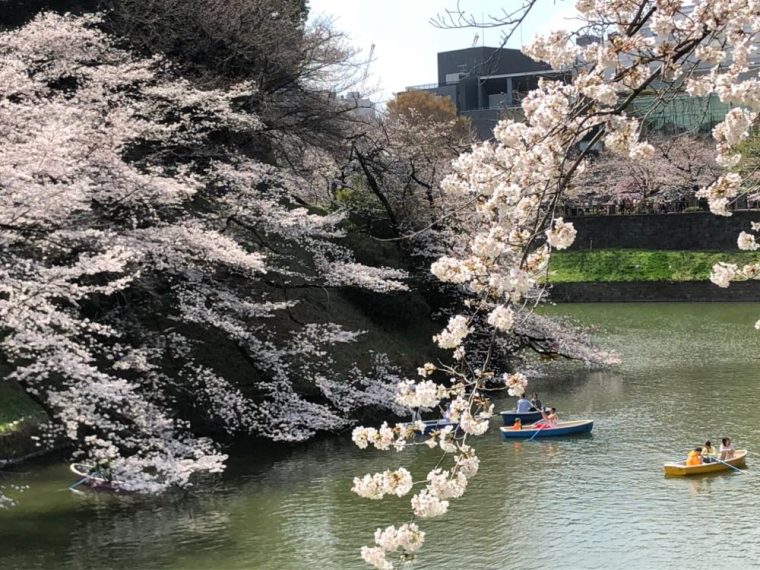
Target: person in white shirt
column 523, row 405
column 726, row 449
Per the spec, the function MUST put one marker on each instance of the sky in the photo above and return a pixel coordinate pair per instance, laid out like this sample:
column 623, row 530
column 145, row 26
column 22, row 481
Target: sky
column 406, row 43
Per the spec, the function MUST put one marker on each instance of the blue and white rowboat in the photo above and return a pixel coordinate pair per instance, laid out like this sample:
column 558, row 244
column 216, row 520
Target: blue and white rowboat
column 562, row 429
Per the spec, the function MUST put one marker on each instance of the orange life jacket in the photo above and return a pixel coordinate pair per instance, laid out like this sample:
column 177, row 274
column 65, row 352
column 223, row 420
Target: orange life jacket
column 693, row 459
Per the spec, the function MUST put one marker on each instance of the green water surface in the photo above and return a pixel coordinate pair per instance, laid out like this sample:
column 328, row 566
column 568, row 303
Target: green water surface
column 690, row 372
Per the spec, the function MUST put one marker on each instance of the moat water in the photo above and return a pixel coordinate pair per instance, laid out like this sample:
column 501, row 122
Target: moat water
column 690, row 372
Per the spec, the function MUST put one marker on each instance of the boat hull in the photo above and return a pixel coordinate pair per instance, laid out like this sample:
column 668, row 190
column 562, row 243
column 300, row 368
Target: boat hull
column 437, row 425
column 92, row 479
column 563, row 428
column 679, row 468
column 525, row 417
column 433, row 425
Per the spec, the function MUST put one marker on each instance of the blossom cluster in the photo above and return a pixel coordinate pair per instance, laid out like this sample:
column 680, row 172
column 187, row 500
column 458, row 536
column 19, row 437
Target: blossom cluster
column 426, row 394
column 502, row 318
column 453, row 335
column 407, row 539
column 398, row 482
column 561, row 235
column 382, row 439
column 516, row 383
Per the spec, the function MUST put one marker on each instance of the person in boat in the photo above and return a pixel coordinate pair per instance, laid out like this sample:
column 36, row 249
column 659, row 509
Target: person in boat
column 523, row 405
column 550, row 419
column 694, row 457
column 708, row 453
column 726, row 449
column 536, row 403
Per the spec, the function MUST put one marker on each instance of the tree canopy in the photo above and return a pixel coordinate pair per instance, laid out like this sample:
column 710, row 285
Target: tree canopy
column 136, row 230
column 419, row 108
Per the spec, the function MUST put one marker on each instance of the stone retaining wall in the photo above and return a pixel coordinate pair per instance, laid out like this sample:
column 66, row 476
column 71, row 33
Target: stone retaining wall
column 694, row 231
column 654, row 291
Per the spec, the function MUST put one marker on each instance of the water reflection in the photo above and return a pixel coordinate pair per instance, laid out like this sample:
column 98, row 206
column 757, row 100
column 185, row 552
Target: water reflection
column 699, row 485
column 550, row 449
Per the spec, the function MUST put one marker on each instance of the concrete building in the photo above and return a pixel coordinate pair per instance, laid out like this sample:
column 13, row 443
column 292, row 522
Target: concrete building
column 486, row 83
column 360, row 107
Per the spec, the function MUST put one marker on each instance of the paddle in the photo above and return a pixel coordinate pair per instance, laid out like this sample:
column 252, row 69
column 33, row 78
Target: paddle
column 538, row 430
column 728, row 464
column 82, row 480
column 543, row 415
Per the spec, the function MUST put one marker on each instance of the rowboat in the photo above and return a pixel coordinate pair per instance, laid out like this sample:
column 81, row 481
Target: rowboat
column 525, row 417
column 92, row 477
column 437, row 425
column 679, row 468
column 431, row 425
column 563, row 428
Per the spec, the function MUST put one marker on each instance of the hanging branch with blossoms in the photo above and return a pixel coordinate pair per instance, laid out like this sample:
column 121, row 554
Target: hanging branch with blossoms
column 511, row 188
column 135, row 230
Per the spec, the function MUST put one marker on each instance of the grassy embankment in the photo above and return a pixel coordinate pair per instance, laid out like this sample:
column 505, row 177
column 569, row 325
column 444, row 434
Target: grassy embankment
column 616, row 265
column 15, row 405
column 19, row 417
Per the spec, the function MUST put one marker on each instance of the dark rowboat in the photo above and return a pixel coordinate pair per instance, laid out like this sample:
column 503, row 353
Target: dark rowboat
column 437, row 425
column 93, row 478
column 525, row 417
column 432, row 425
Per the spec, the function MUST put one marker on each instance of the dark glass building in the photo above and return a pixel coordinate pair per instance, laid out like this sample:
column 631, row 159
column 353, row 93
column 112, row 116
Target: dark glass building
column 487, row 84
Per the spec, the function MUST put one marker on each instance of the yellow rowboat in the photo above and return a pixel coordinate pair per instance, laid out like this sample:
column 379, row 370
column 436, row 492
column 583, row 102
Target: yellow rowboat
column 679, row 469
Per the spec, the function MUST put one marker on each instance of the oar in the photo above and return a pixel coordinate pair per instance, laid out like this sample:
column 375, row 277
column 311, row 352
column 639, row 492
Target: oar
column 538, row 430
column 728, row 464
column 82, row 480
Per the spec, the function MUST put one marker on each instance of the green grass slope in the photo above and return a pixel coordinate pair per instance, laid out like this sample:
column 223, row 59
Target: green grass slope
column 616, row 265
column 14, row 405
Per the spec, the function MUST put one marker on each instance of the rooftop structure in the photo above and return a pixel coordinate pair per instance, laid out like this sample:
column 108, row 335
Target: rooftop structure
column 485, row 83
column 360, row 107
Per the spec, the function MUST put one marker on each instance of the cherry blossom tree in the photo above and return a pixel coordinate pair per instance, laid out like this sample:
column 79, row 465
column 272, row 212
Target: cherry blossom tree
column 137, row 226
column 511, row 188
column 398, row 160
column 749, row 166
column 680, row 165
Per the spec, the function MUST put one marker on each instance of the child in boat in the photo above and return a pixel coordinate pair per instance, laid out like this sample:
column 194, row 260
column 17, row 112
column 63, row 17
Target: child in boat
column 708, row 453
column 694, row 457
column 550, row 419
column 726, row 449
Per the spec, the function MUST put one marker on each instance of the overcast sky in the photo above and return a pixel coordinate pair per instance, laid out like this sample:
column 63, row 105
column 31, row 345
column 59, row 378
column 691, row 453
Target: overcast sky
column 406, row 43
